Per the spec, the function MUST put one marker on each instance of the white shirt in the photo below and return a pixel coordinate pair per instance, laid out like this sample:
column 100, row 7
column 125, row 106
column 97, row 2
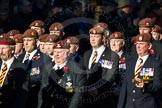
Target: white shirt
column 31, row 55
column 144, row 58
column 8, row 62
column 60, row 66
column 100, row 50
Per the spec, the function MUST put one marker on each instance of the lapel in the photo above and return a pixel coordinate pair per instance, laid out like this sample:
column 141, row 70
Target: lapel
column 147, row 62
column 9, row 74
column 88, row 55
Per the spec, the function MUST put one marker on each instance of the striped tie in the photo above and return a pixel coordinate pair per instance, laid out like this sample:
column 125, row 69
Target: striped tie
column 94, row 57
column 26, row 58
column 3, row 73
column 138, row 68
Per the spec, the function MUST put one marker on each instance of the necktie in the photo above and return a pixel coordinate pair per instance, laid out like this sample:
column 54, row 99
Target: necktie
column 94, row 57
column 3, row 73
column 26, row 58
column 138, row 68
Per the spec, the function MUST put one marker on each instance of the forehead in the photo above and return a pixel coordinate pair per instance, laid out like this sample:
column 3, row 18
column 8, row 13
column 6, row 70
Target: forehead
column 117, row 40
column 142, row 27
column 33, row 27
column 4, row 46
column 95, row 35
column 59, row 50
column 28, row 38
column 138, row 42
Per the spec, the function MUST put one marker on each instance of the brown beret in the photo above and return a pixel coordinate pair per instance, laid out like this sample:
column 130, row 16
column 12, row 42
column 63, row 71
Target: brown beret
column 72, row 40
column 56, row 27
column 62, row 44
column 52, row 38
column 18, row 38
column 116, row 35
column 43, row 37
column 6, row 40
column 146, row 22
column 30, row 33
column 13, row 32
column 37, row 23
column 101, row 24
column 145, row 37
column 157, row 29
column 97, row 30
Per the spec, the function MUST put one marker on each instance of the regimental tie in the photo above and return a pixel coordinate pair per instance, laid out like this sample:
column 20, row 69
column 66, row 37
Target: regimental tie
column 26, row 58
column 94, row 57
column 3, row 74
column 138, row 68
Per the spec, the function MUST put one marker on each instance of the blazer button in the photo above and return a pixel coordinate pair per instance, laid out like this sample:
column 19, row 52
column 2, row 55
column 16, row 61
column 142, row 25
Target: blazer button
column 134, row 91
column 133, row 100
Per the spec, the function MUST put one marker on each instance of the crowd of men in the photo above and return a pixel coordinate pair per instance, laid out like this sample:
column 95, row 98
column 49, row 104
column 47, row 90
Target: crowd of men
column 50, row 65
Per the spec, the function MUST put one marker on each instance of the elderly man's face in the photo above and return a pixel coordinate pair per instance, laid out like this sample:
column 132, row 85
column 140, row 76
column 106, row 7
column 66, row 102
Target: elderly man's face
column 142, row 48
column 6, row 52
column 116, row 45
column 60, row 55
column 96, row 40
column 144, row 30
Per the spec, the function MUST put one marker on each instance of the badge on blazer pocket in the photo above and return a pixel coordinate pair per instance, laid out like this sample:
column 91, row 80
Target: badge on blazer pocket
column 35, row 71
column 147, row 74
column 106, row 64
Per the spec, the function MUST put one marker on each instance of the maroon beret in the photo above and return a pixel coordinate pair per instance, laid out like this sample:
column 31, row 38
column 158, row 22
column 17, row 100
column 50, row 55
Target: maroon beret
column 18, row 38
column 72, row 40
column 146, row 22
column 13, row 32
column 101, row 24
column 97, row 30
column 116, row 35
column 62, row 44
column 157, row 29
column 42, row 38
column 6, row 40
column 145, row 37
column 30, row 33
column 37, row 23
column 52, row 38
column 56, row 27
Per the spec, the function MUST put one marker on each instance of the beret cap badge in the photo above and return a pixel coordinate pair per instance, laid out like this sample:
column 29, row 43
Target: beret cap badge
column 147, row 24
column 140, row 38
column 32, row 33
column 94, row 31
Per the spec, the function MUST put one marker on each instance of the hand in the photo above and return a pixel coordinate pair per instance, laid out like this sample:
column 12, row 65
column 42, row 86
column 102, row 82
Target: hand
column 139, row 83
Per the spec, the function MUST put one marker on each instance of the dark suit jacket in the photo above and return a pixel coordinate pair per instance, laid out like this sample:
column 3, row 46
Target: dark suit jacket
column 14, row 90
column 36, row 66
column 133, row 97
column 54, row 93
column 101, row 79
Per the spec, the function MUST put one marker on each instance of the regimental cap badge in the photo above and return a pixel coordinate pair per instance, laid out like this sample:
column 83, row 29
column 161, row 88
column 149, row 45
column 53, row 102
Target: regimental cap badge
column 147, row 24
column 116, row 35
column 68, row 41
column 55, row 28
column 94, row 31
column 36, row 24
column 58, row 45
column 32, row 33
column 140, row 38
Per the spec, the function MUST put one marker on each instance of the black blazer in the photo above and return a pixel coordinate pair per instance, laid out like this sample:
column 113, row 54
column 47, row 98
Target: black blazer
column 51, row 89
column 14, row 90
column 100, row 78
column 131, row 96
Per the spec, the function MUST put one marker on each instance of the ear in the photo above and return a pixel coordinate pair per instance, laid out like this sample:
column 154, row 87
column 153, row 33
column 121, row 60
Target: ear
column 123, row 42
column 150, row 46
column 43, row 30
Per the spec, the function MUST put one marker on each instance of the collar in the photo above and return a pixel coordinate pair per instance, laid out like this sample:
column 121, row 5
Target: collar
column 31, row 54
column 9, row 62
column 144, row 58
column 60, row 66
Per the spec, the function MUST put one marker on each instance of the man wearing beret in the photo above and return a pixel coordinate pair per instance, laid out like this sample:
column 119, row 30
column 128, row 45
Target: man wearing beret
column 38, row 25
column 12, row 32
column 51, row 40
column 142, row 79
column 34, row 61
column 62, row 87
column 145, row 26
column 156, row 33
column 74, row 49
column 19, row 44
column 102, row 65
column 13, row 90
column 58, row 29
column 42, row 42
